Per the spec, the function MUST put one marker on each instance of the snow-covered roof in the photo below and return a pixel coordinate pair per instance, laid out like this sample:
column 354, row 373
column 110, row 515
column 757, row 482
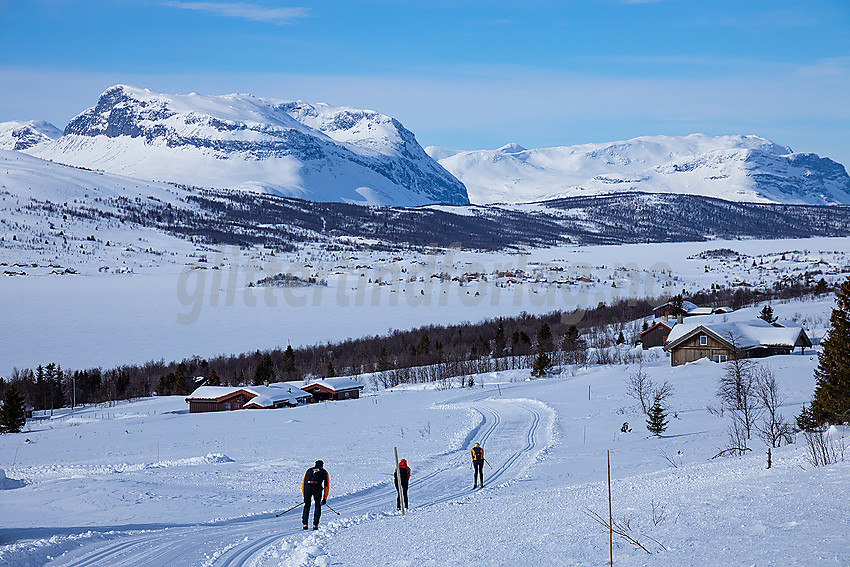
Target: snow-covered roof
column 746, row 334
column 264, row 396
column 700, row 311
column 337, row 384
column 687, row 306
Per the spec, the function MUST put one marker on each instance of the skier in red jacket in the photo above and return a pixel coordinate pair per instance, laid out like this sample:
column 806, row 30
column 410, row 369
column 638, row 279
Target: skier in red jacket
column 402, row 475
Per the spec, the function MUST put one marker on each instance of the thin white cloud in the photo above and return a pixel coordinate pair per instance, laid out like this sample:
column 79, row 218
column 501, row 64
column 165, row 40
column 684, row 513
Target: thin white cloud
column 241, row 10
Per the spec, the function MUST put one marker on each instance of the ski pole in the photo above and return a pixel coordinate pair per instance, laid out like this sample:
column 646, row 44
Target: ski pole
column 488, row 463
column 287, row 510
column 331, row 509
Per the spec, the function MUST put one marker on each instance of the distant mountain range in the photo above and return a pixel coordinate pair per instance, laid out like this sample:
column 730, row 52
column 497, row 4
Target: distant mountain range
column 323, row 153
column 734, row 168
column 296, row 149
column 56, row 218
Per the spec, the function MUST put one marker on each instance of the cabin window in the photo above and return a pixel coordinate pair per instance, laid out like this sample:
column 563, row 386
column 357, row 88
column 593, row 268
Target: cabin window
column 703, row 340
column 719, row 358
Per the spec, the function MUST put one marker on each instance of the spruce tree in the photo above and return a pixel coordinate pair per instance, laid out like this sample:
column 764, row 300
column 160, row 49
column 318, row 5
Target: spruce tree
column 656, row 421
column 831, row 401
column 544, row 337
column 13, row 414
column 572, row 338
column 541, row 364
column 330, row 372
column 805, row 419
column 213, row 379
column 424, row 347
column 767, row 314
column 620, row 338
column 264, row 371
column 499, row 342
column 288, row 364
column 382, row 364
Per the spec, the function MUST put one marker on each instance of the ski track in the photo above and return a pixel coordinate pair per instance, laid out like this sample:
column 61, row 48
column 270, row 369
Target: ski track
column 242, row 542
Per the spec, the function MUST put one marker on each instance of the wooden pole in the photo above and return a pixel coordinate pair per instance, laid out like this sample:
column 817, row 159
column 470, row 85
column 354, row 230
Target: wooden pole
column 610, row 516
column 398, row 480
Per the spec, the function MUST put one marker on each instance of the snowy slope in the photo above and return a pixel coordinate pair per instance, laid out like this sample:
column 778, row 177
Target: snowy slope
column 146, row 483
column 21, row 135
column 55, row 218
column 312, row 151
column 735, row 168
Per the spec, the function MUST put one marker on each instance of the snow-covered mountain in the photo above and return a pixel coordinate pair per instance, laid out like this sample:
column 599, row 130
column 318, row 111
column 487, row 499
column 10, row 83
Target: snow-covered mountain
column 311, row 151
column 735, row 168
column 23, row 135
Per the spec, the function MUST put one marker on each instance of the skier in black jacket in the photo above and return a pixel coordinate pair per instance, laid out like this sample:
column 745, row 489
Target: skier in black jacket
column 315, row 487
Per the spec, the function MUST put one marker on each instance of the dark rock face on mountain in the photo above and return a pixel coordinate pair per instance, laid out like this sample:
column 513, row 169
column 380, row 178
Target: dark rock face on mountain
column 19, row 135
column 312, row 151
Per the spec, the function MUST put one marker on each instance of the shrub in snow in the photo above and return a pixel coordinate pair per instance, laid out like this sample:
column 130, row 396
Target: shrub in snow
column 825, row 446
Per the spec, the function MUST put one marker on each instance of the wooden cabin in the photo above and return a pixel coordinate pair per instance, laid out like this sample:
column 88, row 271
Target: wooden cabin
column 656, row 335
column 333, row 389
column 228, row 398
column 722, row 341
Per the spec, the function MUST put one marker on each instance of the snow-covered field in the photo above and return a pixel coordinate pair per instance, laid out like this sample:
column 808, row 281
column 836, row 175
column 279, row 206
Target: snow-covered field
column 205, row 307
column 146, row 483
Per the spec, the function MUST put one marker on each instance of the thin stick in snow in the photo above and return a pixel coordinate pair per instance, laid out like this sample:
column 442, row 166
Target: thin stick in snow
column 610, row 511
column 398, row 481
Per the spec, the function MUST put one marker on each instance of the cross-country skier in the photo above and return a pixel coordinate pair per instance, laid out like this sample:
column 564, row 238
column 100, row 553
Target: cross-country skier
column 315, row 487
column 477, row 453
column 402, row 474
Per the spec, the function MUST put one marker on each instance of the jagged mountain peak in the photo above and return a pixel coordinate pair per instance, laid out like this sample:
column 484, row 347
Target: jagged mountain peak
column 26, row 134
column 308, row 150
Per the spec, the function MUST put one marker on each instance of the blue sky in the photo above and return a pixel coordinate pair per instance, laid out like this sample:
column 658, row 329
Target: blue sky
column 459, row 73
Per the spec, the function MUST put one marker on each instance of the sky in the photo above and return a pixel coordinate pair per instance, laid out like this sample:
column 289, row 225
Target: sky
column 460, row 74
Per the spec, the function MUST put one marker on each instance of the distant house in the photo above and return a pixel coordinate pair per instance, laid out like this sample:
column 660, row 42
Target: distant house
column 333, row 389
column 656, row 335
column 670, row 310
column 227, row 398
column 722, row 341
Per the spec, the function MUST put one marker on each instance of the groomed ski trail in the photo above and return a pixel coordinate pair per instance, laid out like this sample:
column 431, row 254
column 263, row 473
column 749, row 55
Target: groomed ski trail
column 514, row 433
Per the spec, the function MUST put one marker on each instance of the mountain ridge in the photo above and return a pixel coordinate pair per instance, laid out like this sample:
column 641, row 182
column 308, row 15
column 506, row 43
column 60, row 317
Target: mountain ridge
column 742, row 168
column 297, row 149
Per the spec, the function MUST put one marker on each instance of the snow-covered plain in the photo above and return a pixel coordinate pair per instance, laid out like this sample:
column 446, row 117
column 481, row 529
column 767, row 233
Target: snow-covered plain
column 146, row 483
column 169, row 310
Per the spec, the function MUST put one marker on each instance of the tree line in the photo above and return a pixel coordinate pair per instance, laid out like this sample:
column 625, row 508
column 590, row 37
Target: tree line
column 432, row 353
